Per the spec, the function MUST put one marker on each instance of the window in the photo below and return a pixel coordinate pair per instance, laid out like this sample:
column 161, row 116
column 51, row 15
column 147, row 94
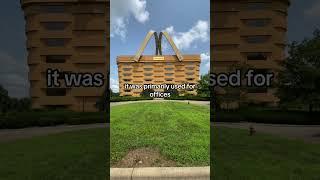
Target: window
column 127, row 74
column 55, row 26
column 148, row 69
column 256, row 39
column 148, row 74
column 55, row 59
column 148, row 64
column 127, row 91
column 56, row 92
column 257, row 22
column 89, row 9
column 253, row 6
column 169, row 74
column 126, row 69
column 190, row 68
column 53, row 8
column 168, row 69
column 55, row 42
column 257, row 56
column 190, row 73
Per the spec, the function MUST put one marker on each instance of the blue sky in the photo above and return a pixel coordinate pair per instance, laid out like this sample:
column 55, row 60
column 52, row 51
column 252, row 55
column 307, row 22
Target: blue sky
column 187, row 21
column 302, row 20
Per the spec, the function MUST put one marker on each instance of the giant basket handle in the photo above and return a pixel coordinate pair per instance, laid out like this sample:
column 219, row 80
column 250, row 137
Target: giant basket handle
column 138, row 55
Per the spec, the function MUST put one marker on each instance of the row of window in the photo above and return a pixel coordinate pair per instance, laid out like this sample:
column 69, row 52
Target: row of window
column 257, row 22
column 167, row 69
column 256, row 39
column 56, row 92
column 55, row 26
column 257, row 56
column 55, row 42
column 60, row 8
column 254, row 6
column 150, row 74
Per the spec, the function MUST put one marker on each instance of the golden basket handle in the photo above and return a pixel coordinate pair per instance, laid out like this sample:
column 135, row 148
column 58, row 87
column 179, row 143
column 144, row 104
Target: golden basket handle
column 146, row 40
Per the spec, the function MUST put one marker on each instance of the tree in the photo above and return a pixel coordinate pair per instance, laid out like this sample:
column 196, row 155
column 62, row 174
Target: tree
column 299, row 79
column 4, row 100
column 146, row 93
column 114, row 94
column 203, row 88
column 228, row 95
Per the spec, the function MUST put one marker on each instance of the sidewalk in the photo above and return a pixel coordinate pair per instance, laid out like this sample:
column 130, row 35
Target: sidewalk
column 163, row 173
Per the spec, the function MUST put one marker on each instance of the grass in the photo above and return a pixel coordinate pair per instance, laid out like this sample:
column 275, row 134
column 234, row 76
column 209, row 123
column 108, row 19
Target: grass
column 78, row 155
column 180, row 131
column 235, row 155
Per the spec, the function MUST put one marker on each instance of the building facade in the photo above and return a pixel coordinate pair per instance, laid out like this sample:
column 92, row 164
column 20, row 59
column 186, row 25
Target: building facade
column 139, row 70
column 70, row 36
column 252, row 33
column 157, row 70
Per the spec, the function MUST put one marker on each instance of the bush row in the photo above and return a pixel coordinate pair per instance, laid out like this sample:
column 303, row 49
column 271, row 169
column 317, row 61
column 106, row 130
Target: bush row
column 269, row 117
column 194, row 98
column 49, row 118
column 128, row 98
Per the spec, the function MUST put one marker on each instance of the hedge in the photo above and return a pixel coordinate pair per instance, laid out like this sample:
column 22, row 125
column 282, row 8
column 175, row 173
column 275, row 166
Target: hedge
column 49, row 118
column 194, row 98
column 128, row 98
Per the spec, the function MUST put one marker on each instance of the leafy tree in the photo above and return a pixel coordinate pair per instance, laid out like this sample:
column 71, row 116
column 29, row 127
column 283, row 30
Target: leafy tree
column 146, row 93
column 299, row 79
column 114, row 94
column 173, row 92
column 228, row 95
column 203, row 87
column 4, row 100
column 8, row 104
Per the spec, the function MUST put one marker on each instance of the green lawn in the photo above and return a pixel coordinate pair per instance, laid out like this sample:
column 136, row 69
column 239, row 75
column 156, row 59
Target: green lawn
column 78, row 155
column 179, row 131
column 239, row 156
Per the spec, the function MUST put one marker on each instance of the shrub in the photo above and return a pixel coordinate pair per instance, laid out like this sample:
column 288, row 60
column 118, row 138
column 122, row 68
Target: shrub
column 189, row 97
column 50, row 118
column 128, row 98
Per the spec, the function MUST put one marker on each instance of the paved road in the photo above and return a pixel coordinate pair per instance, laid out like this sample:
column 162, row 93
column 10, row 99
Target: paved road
column 204, row 103
column 15, row 134
column 305, row 133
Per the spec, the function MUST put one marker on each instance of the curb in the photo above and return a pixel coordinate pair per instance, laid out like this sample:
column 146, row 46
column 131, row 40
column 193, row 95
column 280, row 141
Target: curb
column 155, row 173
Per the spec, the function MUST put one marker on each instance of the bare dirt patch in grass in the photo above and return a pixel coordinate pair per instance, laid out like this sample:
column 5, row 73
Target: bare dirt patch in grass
column 144, row 157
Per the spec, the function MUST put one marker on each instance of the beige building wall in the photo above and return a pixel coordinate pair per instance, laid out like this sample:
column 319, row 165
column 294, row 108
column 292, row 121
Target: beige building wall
column 69, row 35
column 157, row 70
column 250, row 32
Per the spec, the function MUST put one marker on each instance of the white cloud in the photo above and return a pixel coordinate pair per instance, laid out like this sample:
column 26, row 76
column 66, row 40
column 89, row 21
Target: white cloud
column 185, row 40
column 122, row 10
column 114, row 85
column 314, row 10
column 14, row 75
column 205, row 62
column 205, row 56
